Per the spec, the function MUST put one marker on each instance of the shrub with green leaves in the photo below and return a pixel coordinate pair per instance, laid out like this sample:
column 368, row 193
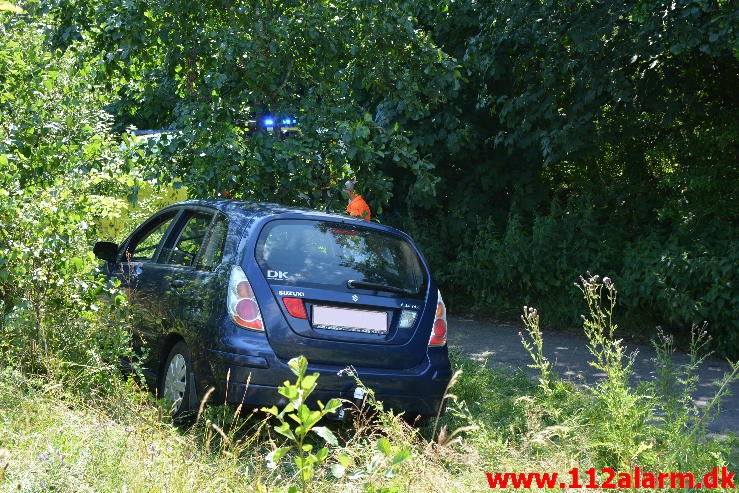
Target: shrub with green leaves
column 672, row 274
column 53, row 307
column 56, row 156
column 297, row 423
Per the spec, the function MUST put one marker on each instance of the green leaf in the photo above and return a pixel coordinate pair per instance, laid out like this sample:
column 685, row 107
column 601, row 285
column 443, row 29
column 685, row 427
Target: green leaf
column 326, row 434
column 271, row 410
column 276, row 455
column 383, row 445
column 309, row 382
column 289, row 390
column 332, row 406
column 284, row 430
column 402, row 455
column 322, row 454
column 304, row 414
column 77, row 263
column 338, row 470
column 298, row 365
column 344, row 459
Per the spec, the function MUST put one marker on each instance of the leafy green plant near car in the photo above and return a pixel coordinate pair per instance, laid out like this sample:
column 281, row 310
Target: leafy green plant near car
column 296, row 423
column 297, row 420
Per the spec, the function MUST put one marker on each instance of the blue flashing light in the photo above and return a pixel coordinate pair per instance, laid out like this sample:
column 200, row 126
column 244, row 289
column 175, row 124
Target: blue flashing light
column 289, row 121
column 269, row 122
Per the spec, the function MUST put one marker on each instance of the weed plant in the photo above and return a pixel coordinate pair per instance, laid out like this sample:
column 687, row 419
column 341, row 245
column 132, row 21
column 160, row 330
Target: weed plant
column 615, row 423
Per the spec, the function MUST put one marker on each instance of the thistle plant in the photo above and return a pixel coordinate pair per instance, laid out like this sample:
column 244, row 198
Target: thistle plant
column 535, row 348
column 609, row 354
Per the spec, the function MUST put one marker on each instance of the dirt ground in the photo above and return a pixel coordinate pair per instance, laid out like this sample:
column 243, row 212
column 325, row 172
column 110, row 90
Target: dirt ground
column 500, row 345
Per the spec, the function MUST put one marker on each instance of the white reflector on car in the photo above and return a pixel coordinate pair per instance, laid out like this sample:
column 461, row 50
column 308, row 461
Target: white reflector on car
column 407, row 319
column 326, row 317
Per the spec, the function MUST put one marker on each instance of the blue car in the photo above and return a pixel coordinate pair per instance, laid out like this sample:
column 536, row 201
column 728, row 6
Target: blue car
column 224, row 293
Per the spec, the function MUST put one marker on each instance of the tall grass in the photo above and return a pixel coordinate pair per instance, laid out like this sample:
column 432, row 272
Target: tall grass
column 615, row 423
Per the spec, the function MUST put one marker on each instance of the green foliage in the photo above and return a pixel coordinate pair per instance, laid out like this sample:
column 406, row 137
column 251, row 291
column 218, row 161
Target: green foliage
column 53, row 312
column 297, row 423
column 624, row 436
column 356, row 75
column 525, row 142
column 656, row 424
column 567, row 78
column 683, row 422
column 487, row 407
column 381, row 464
column 519, row 142
column 681, row 284
column 297, row 420
column 55, row 156
column 674, row 276
column 118, row 441
column 596, row 136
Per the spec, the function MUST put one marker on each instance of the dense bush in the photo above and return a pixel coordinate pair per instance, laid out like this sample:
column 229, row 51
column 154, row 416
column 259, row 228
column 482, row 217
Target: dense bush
column 57, row 158
column 680, row 285
column 591, row 135
column 668, row 276
column 53, row 315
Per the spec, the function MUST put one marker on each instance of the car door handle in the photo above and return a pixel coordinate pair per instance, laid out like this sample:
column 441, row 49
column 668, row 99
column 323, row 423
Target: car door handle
column 177, row 283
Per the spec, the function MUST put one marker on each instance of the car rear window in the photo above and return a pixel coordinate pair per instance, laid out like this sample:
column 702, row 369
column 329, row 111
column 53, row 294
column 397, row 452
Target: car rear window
column 340, row 257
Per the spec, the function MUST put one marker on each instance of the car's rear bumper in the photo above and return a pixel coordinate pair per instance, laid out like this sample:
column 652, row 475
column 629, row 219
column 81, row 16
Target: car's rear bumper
column 254, row 381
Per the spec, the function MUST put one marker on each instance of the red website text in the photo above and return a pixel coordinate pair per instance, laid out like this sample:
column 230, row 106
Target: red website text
column 607, row 478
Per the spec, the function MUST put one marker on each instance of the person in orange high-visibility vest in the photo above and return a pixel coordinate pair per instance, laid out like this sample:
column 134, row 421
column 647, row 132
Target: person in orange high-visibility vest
column 357, row 206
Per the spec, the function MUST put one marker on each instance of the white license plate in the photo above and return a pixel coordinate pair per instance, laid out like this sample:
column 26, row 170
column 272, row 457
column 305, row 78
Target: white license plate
column 326, row 317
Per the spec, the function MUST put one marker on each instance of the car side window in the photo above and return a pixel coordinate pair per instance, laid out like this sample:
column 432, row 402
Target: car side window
column 144, row 247
column 212, row 250
column 185, row 248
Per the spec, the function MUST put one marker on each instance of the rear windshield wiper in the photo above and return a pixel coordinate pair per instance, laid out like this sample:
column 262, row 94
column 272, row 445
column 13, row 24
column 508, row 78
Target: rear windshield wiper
column 377, row 287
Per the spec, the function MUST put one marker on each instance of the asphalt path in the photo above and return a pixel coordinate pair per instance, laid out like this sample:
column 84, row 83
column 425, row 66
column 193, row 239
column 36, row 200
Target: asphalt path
column 500, row 345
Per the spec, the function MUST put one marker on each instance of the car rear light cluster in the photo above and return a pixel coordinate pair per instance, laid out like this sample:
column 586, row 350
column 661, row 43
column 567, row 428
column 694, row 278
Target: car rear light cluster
column 242, row 303
column 438, row 332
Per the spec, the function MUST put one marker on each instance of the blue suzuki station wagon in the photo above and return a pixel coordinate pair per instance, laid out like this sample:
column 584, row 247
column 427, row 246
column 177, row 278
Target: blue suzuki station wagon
column 224, row 293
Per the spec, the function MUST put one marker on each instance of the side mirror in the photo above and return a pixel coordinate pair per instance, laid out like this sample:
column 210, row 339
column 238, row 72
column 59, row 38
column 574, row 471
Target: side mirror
column 105, row 250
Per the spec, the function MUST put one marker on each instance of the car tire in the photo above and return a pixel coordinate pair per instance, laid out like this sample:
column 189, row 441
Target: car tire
column 176, row 383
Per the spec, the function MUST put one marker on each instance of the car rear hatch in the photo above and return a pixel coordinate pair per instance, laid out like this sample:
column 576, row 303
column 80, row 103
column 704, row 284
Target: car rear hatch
column 347, row 294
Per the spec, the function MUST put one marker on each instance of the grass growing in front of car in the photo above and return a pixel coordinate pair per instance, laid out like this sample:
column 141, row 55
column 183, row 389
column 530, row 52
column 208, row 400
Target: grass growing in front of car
column 56, row 436
column 547, row 424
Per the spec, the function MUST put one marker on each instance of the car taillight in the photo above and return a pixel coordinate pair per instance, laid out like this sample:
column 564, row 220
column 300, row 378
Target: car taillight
column 242, row 303
column 295, row 307
column 438, row 332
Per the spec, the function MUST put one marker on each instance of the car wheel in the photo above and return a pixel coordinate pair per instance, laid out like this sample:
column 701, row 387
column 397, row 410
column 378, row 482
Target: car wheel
column 176, row 382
